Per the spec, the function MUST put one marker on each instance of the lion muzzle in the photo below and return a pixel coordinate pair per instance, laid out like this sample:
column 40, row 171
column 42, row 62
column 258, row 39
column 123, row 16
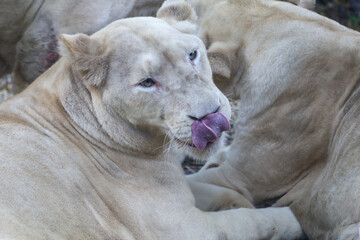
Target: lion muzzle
column 208, row 129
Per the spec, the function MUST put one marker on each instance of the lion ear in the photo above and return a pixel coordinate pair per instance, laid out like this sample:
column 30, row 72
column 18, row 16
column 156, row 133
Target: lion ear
column 308, row 4
column 87, row 57
column 224, row 64
column 179, row 14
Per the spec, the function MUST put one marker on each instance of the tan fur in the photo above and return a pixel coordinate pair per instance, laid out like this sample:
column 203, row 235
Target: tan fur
column 29, row 30
column 295, row 77
column 85, row 149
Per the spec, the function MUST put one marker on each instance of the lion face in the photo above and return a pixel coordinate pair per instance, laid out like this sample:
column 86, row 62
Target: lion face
column 159, row 81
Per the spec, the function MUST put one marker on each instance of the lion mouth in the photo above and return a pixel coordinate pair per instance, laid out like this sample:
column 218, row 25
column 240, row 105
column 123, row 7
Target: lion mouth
column 208, row 130
column 192, row 145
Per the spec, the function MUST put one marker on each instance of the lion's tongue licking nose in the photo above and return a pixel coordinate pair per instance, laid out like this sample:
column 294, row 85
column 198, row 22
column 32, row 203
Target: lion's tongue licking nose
column 208, row 129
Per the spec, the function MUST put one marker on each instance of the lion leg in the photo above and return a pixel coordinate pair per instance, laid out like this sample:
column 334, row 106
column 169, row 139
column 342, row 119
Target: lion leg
column 210, row 190
column 268, row 223
column 216, row 160
column 209, row 197
column 211, row 194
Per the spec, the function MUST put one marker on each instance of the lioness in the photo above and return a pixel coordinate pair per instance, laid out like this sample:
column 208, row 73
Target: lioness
column 29, row 29
column 83, row 148
column 296, row 78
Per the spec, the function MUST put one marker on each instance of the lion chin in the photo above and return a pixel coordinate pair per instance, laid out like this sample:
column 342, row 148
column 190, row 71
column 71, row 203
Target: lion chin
column 189, row 149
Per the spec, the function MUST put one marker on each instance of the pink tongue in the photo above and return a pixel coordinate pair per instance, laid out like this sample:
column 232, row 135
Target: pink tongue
column 208, row 129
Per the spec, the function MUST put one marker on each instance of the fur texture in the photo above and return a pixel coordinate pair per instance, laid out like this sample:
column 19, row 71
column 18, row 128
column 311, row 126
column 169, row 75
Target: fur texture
column 84, row 151
column 295, row 77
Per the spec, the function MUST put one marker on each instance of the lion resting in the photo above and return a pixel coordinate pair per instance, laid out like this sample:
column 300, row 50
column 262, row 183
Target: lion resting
column 84, row 147
column 29, row 29
column 295, row 76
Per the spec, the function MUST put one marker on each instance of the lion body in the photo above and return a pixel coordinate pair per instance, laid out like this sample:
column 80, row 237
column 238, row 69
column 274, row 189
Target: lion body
column 84, row 149
column 295, row 77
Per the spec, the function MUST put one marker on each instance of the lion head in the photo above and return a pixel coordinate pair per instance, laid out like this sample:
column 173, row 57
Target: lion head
column 150, row 84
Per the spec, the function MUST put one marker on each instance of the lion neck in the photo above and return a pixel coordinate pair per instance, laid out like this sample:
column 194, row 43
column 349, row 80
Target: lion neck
column 99, row 125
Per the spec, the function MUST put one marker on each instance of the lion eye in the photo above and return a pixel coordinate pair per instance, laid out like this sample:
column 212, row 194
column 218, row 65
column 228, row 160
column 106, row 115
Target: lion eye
column 193, row 55
column 147, row 83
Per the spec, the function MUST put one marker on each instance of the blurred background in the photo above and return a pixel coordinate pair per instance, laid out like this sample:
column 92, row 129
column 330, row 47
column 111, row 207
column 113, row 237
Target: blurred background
column 346, row 12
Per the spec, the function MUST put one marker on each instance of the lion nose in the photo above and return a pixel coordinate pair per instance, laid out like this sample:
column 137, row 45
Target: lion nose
column 208, row 129
column 194, row 117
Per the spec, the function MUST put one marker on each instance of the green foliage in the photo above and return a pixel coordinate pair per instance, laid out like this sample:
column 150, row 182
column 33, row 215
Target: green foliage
column 346, row 12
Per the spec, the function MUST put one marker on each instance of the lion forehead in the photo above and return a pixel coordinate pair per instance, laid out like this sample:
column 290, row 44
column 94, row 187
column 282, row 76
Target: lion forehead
column 139, row 35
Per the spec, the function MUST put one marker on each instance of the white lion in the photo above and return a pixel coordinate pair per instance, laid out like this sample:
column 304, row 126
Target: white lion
column 83, row 148
column 295, row 76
